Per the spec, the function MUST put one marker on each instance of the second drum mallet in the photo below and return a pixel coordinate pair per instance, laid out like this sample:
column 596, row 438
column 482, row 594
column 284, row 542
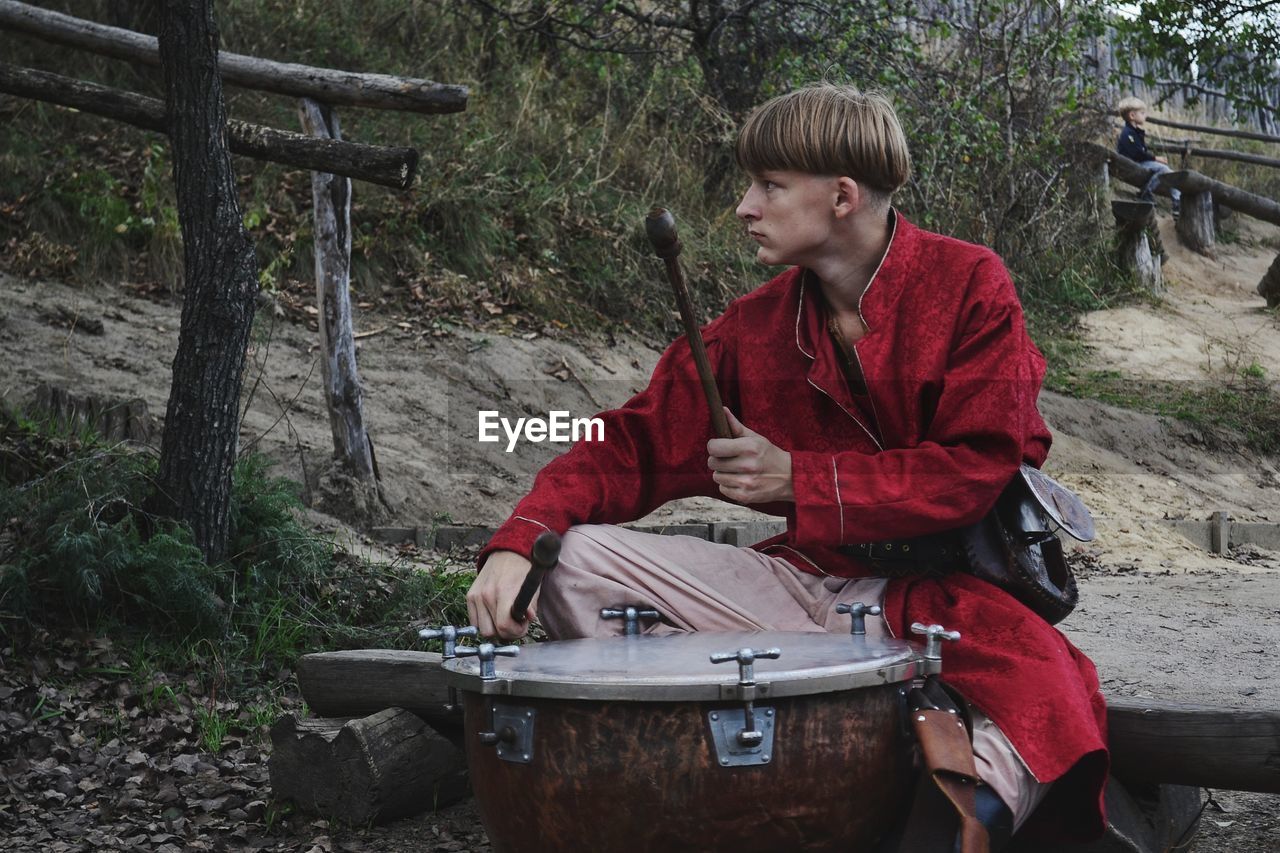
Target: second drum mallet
column 545, row 556
column 660, row 225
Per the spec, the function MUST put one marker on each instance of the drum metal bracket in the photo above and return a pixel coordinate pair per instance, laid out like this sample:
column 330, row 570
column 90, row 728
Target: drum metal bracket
column 512, row 733
column 727, row 726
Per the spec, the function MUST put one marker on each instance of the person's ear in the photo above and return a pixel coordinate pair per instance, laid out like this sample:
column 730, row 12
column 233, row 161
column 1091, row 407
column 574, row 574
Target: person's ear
column 848, row 197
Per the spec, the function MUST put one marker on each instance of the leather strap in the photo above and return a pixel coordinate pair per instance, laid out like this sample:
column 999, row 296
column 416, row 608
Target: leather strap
column 938, row 549
column 948, row 758
column 946, row 793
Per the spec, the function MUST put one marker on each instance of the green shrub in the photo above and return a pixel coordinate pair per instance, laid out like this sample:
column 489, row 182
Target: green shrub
column 78, row 543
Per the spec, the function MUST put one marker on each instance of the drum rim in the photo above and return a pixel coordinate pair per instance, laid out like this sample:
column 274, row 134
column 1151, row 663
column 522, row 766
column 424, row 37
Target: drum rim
column 901, row 661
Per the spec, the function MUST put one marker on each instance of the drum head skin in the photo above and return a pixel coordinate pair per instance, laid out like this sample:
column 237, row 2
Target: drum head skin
column 677, row 667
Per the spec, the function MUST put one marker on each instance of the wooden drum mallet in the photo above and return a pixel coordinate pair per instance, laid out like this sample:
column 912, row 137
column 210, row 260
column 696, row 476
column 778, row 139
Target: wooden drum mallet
column 660, row 225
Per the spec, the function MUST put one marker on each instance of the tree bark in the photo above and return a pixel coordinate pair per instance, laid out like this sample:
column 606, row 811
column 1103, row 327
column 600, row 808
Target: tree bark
column 377, row 164
column 342, row 392
column 382, row 91
column 198, row 450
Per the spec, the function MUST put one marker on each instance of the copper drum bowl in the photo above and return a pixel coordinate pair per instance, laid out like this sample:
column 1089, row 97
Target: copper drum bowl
column 635, row 744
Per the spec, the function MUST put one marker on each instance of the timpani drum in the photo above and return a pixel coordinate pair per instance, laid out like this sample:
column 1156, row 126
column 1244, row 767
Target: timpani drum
column 789, row 741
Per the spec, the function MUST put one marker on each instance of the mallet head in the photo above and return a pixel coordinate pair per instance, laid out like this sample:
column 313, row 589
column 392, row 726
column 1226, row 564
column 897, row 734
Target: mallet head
column 660, row 225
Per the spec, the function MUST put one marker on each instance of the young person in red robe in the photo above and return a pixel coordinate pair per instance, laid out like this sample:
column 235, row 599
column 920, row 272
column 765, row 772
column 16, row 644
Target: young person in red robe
column 882, row 388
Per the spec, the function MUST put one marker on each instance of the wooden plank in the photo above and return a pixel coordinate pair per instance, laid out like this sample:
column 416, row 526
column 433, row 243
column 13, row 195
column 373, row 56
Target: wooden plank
column 1155, row 741
column 377, row 164
column 382, row 91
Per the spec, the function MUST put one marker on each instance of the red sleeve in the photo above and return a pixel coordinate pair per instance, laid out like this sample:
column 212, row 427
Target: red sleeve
column 654, row 451
column 984, row 425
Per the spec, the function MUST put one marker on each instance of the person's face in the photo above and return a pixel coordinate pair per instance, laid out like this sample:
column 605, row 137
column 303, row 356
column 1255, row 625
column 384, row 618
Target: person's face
column 1138, row 117
column 790, row 215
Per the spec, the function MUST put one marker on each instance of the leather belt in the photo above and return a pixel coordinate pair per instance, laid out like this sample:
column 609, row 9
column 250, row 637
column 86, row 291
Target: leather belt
column 943, row 549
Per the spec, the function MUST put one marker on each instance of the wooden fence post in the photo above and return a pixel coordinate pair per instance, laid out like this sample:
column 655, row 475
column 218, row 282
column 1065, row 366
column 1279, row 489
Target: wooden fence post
column 342, row 390
column 1269, row 287
column 1133, row 248
column 1195, row 224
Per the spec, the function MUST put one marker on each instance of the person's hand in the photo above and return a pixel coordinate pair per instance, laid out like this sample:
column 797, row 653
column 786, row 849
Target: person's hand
column 1162, row 160
column 494, row 591
column 749, row 468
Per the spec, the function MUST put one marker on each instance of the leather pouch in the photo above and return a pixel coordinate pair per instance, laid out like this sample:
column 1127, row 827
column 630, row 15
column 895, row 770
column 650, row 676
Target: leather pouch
column 1016, row 548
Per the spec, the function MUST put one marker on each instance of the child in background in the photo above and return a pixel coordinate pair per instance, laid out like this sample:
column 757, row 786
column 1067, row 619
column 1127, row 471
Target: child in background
column 1133, row 144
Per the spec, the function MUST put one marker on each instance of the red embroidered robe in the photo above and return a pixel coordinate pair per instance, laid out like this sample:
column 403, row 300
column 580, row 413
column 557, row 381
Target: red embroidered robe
column 952, row 379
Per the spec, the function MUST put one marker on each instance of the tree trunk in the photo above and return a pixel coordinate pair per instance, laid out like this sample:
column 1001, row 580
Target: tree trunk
column 201, row 429
column 342, row 393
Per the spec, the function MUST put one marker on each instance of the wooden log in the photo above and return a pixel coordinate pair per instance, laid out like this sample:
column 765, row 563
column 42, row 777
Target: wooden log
column 382, row 91
column 377, row 164
column 1133, row 247
column 1216, row 154
column 1144, row 819
column 360, row 681
column 367, row 770
column 1122, row 168
column 331, row 200
column 1259, row 207
column 1269, row 287
column 1163, row 742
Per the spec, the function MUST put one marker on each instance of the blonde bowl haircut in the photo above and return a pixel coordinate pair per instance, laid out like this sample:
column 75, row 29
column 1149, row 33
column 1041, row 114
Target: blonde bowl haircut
column 1128, row 105
column 827, row 129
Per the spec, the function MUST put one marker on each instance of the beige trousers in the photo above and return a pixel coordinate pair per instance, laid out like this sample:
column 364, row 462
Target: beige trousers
column 703, row 586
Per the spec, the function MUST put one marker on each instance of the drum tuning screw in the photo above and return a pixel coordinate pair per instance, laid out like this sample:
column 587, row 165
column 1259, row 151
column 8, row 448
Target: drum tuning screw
column 933, row 637
column 630, row 616
column 859, row 612
column 487, row 652
column 746, row 658
column 449, row 634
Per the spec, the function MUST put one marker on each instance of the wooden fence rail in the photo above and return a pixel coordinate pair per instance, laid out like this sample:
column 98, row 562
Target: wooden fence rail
column 1215, row 153
column 326, row 85
column 377, row 164
column 324, row 153
column 1214, row 131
